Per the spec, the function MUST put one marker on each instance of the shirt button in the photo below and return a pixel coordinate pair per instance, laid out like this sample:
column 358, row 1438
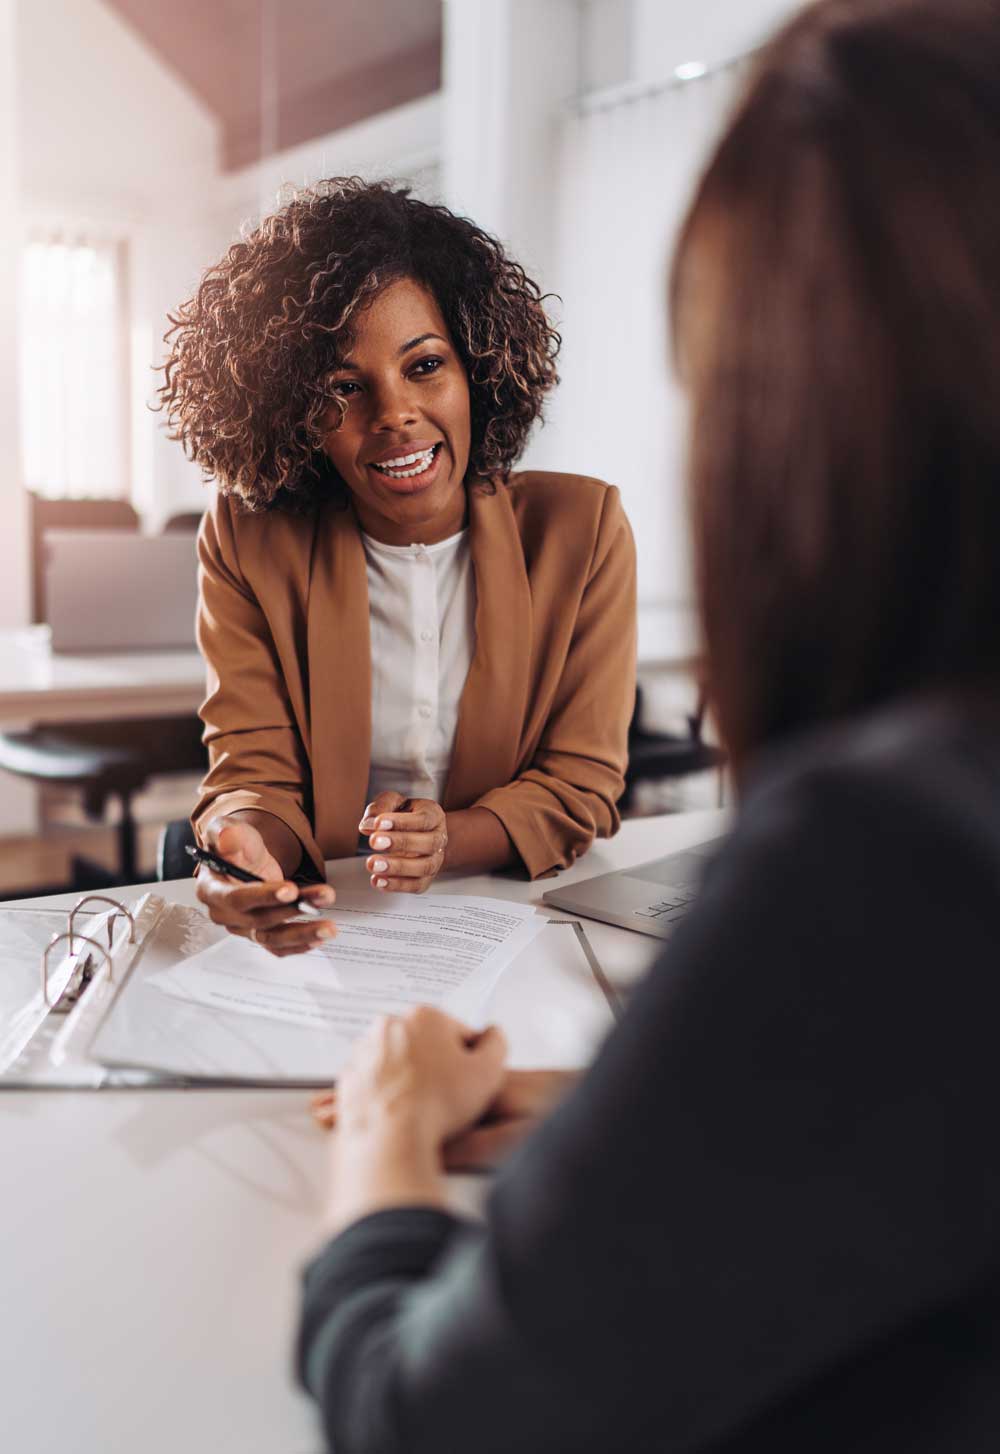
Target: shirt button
column 425, row 711
column 427, row 636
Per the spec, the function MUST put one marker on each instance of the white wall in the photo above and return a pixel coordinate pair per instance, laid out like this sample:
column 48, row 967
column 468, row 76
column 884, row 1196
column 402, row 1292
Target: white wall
column 404, row 143
column 510, row 67
column 625, row 41
column 632, row 146
column 667, row 32
column 13, row 555
column 109, row 137
column 17, row 798
column 606, row 46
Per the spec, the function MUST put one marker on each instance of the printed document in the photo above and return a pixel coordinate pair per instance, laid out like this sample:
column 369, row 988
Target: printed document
column 446, row 950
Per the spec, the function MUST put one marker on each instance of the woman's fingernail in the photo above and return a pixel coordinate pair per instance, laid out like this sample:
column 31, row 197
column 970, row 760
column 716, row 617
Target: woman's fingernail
column 365, row 824
column 386, row 823
column 286, row 894
column 381, row 883
column 379, row 866
column 321, row 932
column 381, row 841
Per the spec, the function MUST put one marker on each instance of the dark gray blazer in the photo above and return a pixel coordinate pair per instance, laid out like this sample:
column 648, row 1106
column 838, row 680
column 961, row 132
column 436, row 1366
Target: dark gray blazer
column 769, row 1220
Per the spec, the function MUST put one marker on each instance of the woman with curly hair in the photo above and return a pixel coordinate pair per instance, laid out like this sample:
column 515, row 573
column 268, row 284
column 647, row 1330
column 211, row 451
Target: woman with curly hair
column 402, row 636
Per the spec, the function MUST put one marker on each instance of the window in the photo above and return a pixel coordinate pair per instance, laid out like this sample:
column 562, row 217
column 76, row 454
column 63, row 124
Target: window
column 74, row 366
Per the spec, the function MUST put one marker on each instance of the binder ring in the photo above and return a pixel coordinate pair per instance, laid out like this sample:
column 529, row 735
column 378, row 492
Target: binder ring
column 57, row 939
column 103, row 899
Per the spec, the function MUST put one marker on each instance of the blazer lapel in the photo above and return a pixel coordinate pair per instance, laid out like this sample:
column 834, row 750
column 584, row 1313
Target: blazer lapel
column 493, row 708
column 340, row 691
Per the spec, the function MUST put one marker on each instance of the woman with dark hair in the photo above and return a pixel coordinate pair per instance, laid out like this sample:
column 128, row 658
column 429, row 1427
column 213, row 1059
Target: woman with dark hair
column 768, row 1217
column 389, row 616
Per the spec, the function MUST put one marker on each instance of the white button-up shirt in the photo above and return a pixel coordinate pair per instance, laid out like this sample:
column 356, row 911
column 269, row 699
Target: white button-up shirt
column 422, row 611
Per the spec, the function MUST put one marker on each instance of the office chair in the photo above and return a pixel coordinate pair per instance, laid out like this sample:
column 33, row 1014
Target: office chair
column 172, row 857
column 656, row 755
column 104, row 760
column 183, row 520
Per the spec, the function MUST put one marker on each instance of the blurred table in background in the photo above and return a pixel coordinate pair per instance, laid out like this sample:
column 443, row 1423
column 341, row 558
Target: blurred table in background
column 40, row 685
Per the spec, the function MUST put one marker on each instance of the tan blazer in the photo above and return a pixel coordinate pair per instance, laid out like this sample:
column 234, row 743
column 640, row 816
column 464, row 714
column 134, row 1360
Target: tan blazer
column 543, row 720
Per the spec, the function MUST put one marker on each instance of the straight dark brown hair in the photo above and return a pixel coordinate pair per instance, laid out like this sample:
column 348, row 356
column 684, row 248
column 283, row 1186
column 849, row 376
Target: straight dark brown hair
column 836, row 303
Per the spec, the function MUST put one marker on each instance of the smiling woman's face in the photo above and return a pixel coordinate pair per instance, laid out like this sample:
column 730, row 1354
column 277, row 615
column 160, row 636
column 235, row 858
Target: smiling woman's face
column 403, row 446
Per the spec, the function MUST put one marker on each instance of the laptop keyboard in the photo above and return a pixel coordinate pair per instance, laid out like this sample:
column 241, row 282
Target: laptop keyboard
column 672, row 908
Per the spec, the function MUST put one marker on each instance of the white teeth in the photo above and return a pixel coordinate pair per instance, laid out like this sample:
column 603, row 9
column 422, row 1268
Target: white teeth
column 396, row 468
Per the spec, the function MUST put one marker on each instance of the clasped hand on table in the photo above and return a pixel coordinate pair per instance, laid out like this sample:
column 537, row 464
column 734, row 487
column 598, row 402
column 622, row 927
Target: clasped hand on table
column 408, row 837
column 421, row 1094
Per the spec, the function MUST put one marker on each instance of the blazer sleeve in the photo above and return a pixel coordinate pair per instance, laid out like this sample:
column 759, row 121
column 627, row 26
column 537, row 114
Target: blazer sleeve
column 255, row 751
column 782, row 1165
column 568, row 794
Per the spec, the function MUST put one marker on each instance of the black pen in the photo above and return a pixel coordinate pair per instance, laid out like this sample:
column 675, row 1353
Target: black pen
column 222, row 865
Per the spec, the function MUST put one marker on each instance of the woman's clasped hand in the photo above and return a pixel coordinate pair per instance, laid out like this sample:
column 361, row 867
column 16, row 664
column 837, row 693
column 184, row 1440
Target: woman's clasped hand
column 422, row 1093
column 522, row 1100
column 412, row 1082
column 408, row 838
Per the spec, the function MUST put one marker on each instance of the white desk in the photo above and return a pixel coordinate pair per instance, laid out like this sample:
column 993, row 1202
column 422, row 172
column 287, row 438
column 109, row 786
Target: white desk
column 151, row 1240
column 40, row 685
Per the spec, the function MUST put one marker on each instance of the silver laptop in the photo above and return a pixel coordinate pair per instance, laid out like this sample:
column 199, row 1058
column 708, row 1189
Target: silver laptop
column 113, row 590
column 652, row 897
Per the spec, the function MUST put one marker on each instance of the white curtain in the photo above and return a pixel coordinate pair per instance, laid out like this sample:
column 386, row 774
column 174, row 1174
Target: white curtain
column 627, row 173
column 73, row 366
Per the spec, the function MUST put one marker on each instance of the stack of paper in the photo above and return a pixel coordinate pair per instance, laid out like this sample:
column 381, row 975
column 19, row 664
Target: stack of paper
column 189, row 1003
column 442, row 949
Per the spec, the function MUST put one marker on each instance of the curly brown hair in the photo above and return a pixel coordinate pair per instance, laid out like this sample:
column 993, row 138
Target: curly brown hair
column 250, row 354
